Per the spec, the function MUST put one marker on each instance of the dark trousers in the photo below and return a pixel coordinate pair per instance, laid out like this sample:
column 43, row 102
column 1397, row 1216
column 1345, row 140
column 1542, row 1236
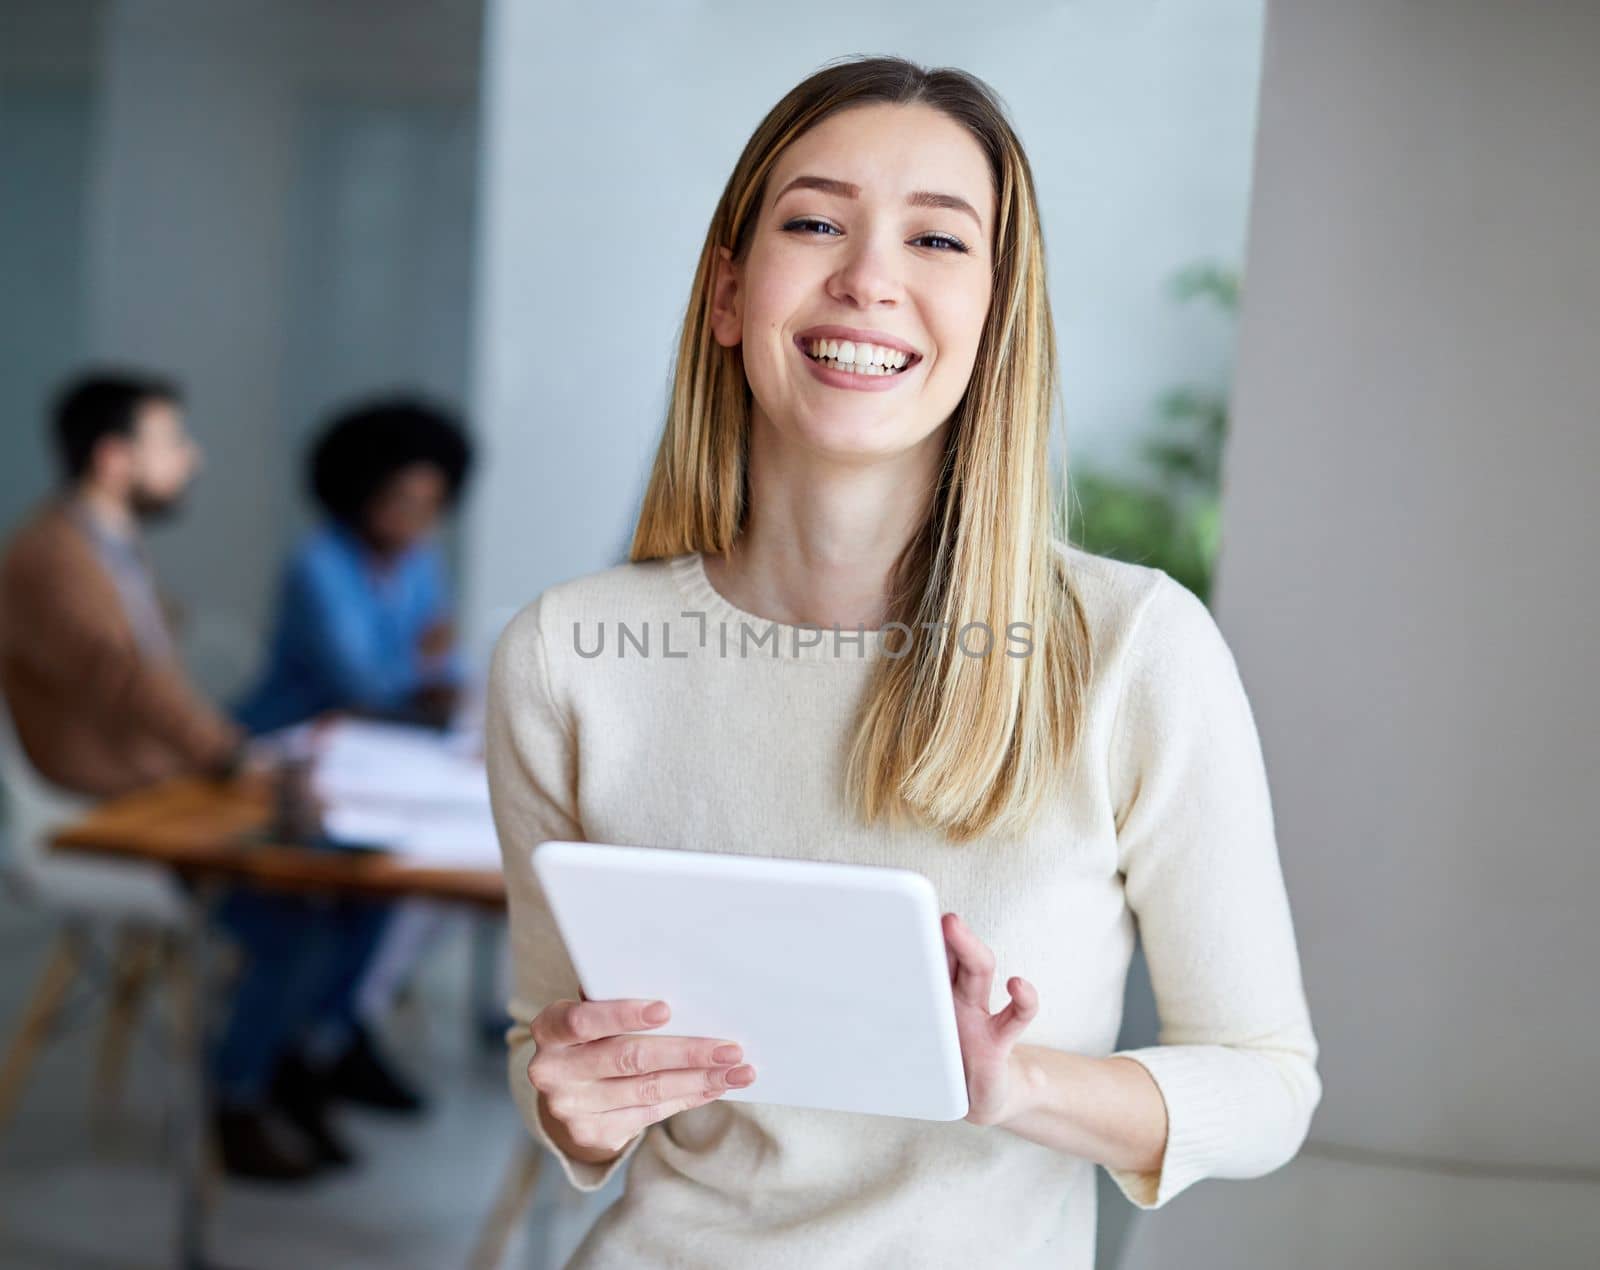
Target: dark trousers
column 303, row 960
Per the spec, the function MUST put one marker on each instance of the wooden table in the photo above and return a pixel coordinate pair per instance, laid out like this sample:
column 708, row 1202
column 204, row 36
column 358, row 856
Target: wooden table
column 211, row 833
column 205, row 830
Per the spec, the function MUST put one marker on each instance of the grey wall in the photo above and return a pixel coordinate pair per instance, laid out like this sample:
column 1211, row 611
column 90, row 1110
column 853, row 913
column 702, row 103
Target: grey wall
column 607, row 145
column 186, row 251
column 48, row 76
column 1408, row 580
column 272, row 200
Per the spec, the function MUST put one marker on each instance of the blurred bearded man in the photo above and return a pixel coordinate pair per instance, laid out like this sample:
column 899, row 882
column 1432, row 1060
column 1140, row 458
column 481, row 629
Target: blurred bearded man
column 88, row 665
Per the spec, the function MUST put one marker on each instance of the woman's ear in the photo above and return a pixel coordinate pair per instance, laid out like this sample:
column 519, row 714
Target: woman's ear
column 726, row 324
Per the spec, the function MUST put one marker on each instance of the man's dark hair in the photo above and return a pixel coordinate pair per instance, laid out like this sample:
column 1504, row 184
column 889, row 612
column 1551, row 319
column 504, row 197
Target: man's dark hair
column 99, row 404
column 366, row 444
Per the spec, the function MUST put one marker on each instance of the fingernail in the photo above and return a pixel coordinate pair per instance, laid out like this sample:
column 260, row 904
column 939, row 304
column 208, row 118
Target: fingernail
column 656, row 1012
column 726, row 1054
column 741, row 1075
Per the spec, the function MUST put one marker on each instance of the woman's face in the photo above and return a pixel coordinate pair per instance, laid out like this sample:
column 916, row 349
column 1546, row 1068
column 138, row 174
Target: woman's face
column 406, row 508
column 874, row 232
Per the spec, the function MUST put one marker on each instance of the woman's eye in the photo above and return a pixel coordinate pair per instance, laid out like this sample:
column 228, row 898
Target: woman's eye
column 946, row 242
column 801, row 221
column 809, row 224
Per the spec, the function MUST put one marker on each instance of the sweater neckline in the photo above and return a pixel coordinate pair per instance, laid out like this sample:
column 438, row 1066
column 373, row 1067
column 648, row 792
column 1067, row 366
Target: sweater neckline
column 794, row 643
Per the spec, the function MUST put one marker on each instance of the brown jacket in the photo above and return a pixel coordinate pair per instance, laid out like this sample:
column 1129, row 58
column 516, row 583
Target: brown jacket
column 93, row 714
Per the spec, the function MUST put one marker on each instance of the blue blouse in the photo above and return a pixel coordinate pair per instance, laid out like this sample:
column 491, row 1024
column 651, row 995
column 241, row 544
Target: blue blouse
column 347, row 631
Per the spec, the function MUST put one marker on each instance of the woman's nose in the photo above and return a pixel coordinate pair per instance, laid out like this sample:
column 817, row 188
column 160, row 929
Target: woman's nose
column 866, row 277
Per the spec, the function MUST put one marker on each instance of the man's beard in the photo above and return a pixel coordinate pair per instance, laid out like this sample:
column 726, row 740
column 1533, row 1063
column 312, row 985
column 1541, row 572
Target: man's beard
column 153, row 509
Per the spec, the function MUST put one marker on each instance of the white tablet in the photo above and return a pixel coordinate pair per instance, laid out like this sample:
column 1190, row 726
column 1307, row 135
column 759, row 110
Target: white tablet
column 832, row 977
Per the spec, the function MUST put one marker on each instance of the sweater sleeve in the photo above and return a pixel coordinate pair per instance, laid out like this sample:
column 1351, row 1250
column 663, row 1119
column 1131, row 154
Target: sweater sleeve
column 1236, row 1062
column 532, row 769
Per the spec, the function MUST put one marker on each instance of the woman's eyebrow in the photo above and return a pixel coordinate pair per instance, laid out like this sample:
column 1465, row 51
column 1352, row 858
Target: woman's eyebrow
column 845, row 189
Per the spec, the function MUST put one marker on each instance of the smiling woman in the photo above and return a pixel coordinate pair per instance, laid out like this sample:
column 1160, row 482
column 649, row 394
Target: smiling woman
column 865, row 242
column 858, row 440
column 884, row 206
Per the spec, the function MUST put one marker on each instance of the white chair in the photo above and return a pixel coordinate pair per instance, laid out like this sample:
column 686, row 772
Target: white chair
column 141, row 905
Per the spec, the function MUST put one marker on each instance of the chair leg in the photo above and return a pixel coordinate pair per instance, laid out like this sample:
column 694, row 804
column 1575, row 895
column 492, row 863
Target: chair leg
column 59, row 971
column 188, row 1027
column 136, row 950
column 521, row 1179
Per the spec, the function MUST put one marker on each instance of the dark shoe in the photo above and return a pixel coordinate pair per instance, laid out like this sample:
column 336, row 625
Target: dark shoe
column 361, row 1076
column 301, row 1094
column 255, row 1143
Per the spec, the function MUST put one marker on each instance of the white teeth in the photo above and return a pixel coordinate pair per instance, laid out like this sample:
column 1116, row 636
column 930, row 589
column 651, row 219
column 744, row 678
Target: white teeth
column 861, row 359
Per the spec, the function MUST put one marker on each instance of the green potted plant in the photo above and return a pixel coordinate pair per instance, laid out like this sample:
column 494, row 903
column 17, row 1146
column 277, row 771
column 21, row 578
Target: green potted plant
column 1168, row 514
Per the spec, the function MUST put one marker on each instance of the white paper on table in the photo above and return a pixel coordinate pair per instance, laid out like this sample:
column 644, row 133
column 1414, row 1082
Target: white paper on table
column 421, row 795
column 393, row 765
column 446, row 839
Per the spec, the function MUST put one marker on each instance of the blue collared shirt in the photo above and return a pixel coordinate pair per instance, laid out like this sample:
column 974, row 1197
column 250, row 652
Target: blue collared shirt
column 347, row 631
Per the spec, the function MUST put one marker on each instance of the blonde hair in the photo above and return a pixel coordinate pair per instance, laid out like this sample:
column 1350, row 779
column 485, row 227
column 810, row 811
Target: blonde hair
column 973, row 745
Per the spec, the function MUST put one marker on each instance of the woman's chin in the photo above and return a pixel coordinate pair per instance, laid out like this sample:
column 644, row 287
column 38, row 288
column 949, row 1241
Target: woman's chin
column 857, row 443
column 854, row 437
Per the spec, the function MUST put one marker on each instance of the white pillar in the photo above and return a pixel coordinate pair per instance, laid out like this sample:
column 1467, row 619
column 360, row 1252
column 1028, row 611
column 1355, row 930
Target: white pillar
column 1409, row 583
column 566, row 418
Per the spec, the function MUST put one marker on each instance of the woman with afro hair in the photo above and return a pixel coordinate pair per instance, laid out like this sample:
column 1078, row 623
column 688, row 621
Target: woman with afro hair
column 364, row 627
column 364, row 622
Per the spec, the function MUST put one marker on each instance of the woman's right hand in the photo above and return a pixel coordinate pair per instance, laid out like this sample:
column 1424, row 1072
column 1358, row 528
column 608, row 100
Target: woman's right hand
column 604, row 1086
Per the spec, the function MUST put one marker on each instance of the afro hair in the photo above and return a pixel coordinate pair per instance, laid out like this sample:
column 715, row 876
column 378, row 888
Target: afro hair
column 366, row 444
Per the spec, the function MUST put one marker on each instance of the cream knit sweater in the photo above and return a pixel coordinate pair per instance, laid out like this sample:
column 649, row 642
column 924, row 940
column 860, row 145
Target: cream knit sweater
column 1165, row 829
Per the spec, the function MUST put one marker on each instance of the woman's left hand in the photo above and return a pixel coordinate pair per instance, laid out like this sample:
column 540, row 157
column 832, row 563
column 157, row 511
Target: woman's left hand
column 987, row 1040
